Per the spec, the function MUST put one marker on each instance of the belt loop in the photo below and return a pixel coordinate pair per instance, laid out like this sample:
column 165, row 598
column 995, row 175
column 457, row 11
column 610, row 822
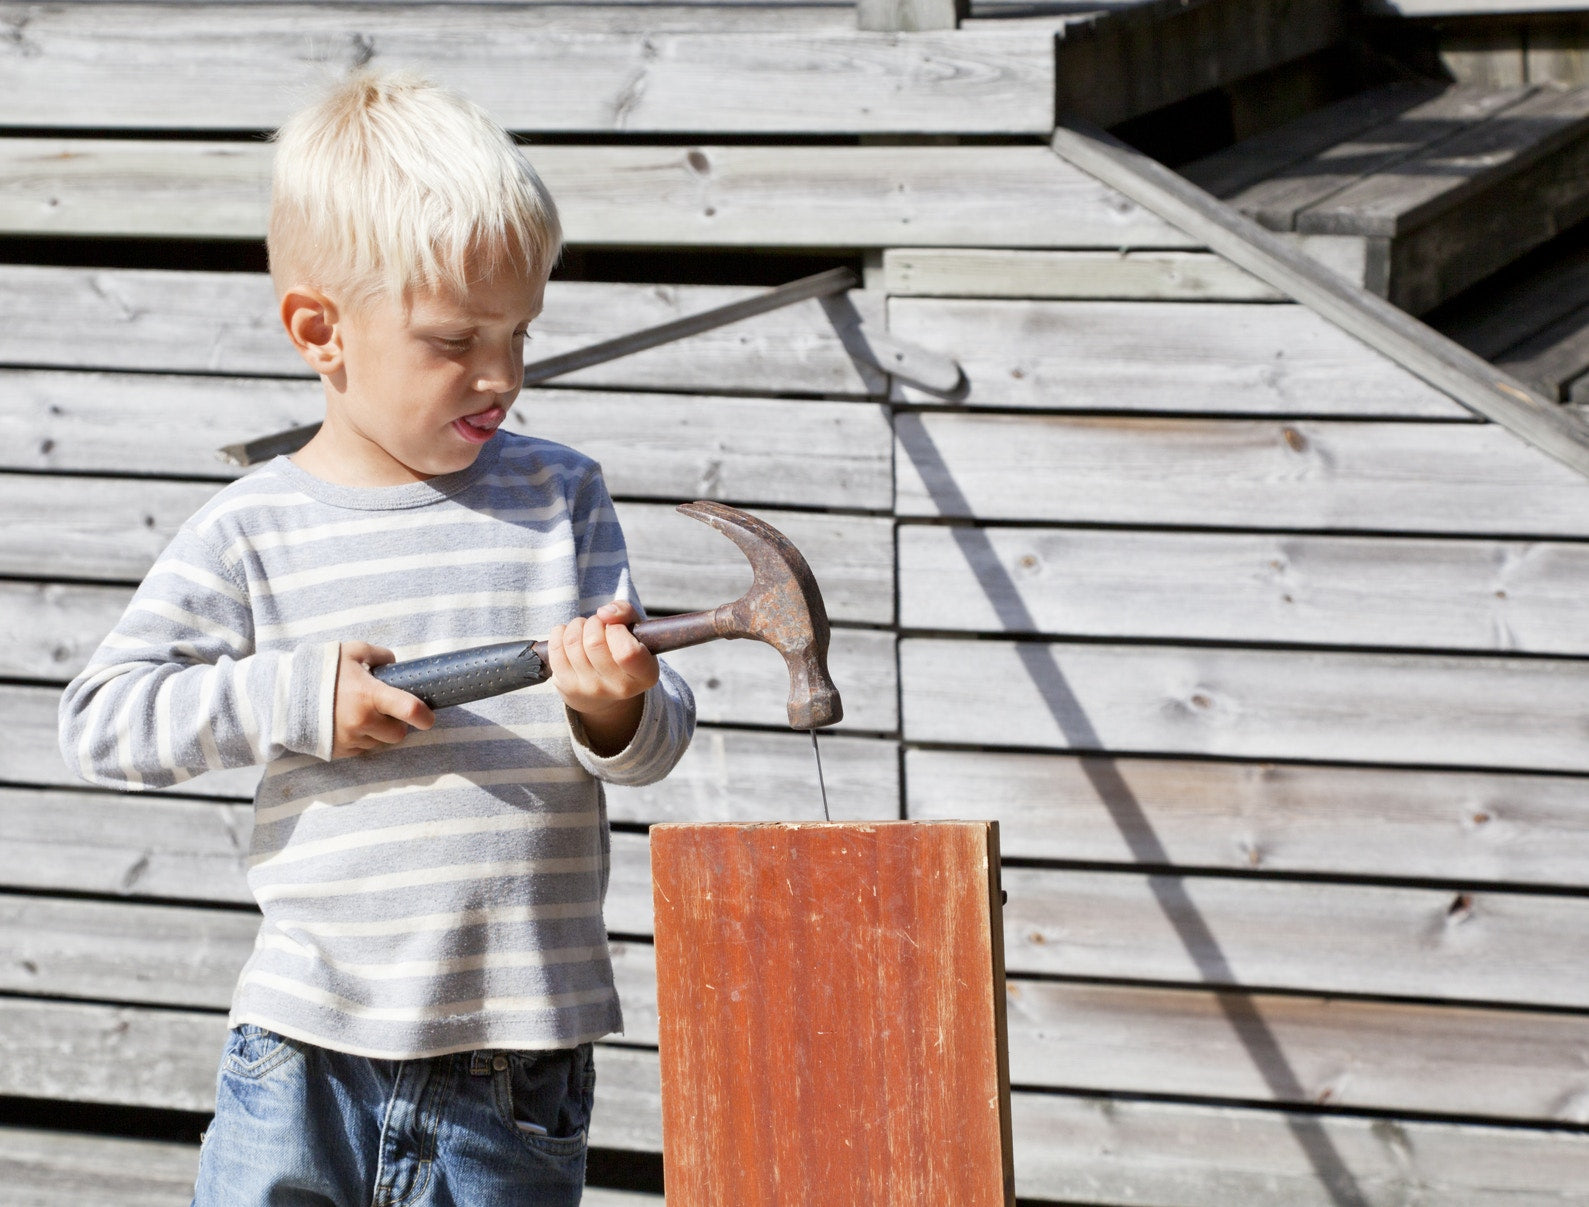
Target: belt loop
column 480, row 1063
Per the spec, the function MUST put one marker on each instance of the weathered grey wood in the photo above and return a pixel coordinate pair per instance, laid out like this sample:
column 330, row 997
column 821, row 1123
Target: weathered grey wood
column 1506, row 316
column 1072, row 1147
column 1182, row 276
column 1297, row 1050
column 112, row 529
column 212, row 322
column 1455, row 711
column 1343, row 821
column 1467, row 8
column 734, row 775
column 1120, row 1153
column 119, row 952
column 1307, row 474
column 62, row 1169
column 1162, row 356
column 1321, row 938
column 1454, row 170
column 1254, row 159
column 1277, row 200
column 154, row 66
column 1437, row 360
column 623, row 195
column 1354, row 591
column 747, row 682
column 1553, row 357
column 910, row 14
column 767, row 451
column 123, row 844
column 1139, row 59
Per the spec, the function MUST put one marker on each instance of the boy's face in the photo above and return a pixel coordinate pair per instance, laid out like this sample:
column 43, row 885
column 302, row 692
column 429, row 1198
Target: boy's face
column 421, row 391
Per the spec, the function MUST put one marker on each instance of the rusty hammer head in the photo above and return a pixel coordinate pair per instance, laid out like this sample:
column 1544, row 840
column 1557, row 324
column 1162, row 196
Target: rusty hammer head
column 783, row 608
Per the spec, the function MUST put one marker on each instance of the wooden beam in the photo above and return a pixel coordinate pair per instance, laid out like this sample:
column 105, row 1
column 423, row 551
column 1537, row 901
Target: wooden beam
column 1214, row 358
column 958, row 272
column 1389, row 592
column 1443, row 364
column 536, row 68
column 621, row 194
column 1465, row 479
column 1451, row 826
column 1420, row 709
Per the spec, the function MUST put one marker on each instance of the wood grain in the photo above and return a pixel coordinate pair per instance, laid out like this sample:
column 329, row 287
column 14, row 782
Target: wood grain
column 1452, row 826
column 1182, row 276
column 1407, row 592
column 156, row 66
column 808, row 977
column 767, row 451
column 1428, row 710
column 1217, row 357
column 615, row 195
column 155, row 320
column 1454, row 478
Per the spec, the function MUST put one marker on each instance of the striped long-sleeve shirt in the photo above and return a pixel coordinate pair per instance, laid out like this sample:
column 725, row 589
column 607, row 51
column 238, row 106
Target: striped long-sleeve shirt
column 441, row 895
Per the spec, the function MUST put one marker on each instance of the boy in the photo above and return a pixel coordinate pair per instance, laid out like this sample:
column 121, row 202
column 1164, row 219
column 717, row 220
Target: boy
column 415, row 1022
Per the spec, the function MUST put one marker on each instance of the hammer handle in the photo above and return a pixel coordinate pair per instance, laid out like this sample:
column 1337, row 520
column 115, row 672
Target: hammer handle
column 462, row 676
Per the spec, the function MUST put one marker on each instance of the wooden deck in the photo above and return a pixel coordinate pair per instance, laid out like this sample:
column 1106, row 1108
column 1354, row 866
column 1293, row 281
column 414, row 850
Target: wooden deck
column 1432, row 187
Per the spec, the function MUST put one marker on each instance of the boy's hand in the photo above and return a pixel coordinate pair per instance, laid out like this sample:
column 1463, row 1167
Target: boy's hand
column 601, row 670
column 371, row 715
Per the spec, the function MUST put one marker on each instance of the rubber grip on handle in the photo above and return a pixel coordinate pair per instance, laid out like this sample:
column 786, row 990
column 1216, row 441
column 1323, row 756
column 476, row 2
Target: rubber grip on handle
column 464, row 675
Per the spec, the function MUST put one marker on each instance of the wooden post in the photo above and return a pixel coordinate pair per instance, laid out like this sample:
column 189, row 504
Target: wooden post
column 910, row 14
column 831, row 1001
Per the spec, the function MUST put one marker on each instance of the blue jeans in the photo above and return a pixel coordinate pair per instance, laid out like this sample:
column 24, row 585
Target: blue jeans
column 301, row 1126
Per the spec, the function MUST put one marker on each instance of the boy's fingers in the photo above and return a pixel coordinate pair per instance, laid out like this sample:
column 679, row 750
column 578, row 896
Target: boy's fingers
column 619, row 611
column 405, row 707
column 370, row 655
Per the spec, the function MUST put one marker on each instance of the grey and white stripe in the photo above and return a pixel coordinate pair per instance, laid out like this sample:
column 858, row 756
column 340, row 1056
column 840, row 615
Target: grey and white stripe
column 441, row 895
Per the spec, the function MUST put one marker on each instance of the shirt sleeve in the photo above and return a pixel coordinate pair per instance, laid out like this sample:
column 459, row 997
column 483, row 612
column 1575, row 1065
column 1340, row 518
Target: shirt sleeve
column 178, row 689
column 667, row 719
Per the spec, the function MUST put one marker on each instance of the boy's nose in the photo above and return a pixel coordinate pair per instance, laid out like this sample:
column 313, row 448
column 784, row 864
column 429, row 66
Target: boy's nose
column 500, row 374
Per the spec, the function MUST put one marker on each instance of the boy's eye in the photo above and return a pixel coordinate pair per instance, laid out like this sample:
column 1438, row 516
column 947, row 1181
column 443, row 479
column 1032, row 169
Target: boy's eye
column 454, row 345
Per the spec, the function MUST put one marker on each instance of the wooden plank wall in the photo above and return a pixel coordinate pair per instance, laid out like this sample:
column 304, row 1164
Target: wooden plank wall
column 1267, row 657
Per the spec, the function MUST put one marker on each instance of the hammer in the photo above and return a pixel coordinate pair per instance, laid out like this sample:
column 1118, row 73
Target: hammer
column 783, row 608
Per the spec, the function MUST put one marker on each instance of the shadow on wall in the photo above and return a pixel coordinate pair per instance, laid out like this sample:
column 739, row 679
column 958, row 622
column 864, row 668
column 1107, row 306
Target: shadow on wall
column 1126, row 811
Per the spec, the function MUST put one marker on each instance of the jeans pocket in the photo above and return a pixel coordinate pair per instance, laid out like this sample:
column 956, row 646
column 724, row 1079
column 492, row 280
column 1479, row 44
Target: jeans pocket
column 546, row 1098
column 252, row 1052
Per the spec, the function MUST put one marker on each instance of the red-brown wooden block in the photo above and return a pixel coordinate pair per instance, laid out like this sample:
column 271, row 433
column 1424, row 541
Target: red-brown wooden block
column 832, row 1014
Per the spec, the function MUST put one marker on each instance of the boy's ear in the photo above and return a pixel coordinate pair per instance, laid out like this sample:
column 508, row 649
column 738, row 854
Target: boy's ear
column 311, row 320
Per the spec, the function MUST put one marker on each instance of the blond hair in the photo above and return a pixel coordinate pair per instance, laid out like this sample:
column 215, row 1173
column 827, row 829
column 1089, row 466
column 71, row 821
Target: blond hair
column 390, row 184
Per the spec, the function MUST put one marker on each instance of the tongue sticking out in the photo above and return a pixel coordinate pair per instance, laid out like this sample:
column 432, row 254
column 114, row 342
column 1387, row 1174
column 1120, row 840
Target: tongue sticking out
column 488, row 420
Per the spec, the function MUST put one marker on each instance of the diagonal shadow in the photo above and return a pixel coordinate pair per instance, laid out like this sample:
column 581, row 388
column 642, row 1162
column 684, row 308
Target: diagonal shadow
column 1194, row 933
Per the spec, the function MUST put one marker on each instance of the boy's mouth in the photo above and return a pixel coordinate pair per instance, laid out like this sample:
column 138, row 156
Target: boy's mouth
column 481, row 426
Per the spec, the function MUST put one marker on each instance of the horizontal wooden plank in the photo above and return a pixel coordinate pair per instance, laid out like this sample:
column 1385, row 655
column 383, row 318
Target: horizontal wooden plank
column 622, row 195
column 767, row 451
column 1388, row 477
column 1162, row 356
column 1458, row 711
column 124, row 844
column 155, row 66
column 61, row 1169
column 1454, row 826
column 114, row 528
column 1500, row 1064
column 1316, row 590
column 156, row 320
column 1113, row 1152
column 1182, row 276
column 1102, row 1150
column 1223, row 931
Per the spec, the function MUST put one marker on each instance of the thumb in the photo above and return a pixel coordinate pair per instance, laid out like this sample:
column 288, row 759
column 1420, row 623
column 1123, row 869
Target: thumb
column 370, row 655
column 405, row 706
